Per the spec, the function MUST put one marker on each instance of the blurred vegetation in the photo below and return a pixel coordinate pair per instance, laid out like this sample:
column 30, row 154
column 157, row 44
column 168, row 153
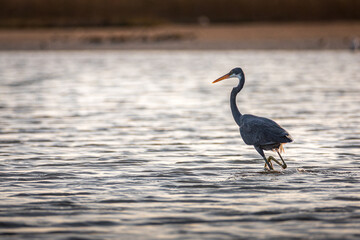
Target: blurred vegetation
column 95, row 13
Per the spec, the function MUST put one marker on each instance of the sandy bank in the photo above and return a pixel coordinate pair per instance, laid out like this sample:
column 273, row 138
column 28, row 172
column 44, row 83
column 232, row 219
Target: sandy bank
column 340, row 35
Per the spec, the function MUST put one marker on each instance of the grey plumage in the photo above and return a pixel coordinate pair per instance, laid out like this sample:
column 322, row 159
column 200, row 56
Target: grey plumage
column 262, row 131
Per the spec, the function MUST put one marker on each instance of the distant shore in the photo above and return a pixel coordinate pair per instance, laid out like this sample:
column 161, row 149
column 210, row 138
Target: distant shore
column 336, row 35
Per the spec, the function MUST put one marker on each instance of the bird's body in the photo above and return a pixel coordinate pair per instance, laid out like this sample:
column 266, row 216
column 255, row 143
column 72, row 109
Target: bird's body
column 262, row 133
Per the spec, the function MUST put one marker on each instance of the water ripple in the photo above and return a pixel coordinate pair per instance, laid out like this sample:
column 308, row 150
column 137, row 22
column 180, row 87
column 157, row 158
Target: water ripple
column 141, row 145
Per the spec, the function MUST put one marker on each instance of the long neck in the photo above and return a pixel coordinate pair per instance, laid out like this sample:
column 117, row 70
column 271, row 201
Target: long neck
column 234, row 109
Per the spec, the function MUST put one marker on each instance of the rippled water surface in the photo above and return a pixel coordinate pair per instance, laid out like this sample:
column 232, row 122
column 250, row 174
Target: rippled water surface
column 141, row 145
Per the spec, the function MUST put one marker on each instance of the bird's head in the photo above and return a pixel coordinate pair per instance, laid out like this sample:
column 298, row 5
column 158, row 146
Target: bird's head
column 236, row 72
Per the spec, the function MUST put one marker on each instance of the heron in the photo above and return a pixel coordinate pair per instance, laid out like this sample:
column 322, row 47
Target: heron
column 262, row 133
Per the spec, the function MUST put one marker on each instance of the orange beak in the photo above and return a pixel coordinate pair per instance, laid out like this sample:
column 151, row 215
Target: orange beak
column 226, row 76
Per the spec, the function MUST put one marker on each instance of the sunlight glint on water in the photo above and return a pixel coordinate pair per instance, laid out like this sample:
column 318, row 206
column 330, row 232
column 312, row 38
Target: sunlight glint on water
column 141, row 145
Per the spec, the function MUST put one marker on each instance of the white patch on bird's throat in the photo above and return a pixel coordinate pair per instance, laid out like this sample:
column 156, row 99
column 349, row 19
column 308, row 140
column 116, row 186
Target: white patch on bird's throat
column 235, row 75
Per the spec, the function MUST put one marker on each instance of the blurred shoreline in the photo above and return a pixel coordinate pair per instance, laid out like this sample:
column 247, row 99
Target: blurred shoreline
column 309, row 35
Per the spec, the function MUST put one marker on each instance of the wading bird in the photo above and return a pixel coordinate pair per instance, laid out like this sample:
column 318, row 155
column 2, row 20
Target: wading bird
column 262, row 133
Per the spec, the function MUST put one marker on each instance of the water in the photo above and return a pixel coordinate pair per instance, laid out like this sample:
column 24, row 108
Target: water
column 141, row 145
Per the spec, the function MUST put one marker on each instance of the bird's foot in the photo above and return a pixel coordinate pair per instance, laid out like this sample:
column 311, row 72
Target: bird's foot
column 273, row 159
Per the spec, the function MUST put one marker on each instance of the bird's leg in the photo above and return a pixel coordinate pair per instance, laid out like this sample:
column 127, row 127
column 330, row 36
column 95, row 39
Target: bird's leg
column 265, row 166
column 274, row 159
column 261, row 152
column 284, row 164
